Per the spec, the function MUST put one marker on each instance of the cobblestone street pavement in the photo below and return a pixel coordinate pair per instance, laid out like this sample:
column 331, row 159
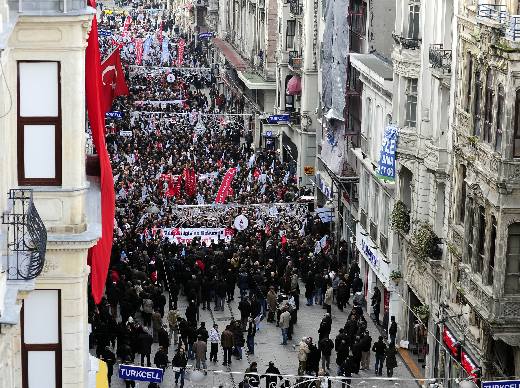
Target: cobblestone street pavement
column 268, row 348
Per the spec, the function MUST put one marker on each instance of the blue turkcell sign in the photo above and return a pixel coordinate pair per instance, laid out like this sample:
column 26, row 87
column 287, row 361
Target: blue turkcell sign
column 114, row 115
column 140, row 373
column 501, row 384
column 275, row 119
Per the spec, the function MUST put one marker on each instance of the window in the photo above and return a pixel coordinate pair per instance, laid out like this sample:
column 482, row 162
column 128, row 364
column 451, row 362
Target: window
column 476, row 104
column 289, row 36
column 470, row 223
column 469, row 82
column 512, row 279
column 384, row 214
column 411, row 102
column 368, row 119
column 479, row 264
column 41, row 339
column 388, row 119
column 289, row 99
column 488, row 107
column 500, row 119
column 39, row 123
column 492, row 248
column 414, row 19
column 374, row 212
column 366, row 183
column 462, row 194
column 516, row 137
column 405, row 178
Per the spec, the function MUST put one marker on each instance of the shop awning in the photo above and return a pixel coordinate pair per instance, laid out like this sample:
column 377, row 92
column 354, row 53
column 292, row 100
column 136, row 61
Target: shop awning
column 512, row 339
column 294, row 86
column 231, row 55
column 97, row 374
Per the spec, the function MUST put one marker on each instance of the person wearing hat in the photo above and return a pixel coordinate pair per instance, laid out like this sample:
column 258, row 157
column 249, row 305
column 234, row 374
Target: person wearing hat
column 272, row 375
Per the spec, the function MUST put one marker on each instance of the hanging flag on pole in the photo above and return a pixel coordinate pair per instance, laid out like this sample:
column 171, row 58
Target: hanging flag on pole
column 113, row 79
column 180, row 52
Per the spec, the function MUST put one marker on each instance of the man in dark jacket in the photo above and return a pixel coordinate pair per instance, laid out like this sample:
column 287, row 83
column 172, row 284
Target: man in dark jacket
column 325, row 345
column 379, row 348
column 179, row 362
column 227, row 340
column 325, row 327
column 245, row 310
column 110, row 358
column 203, row 332
column 392, row 331
column 313, row 359
column 161, row 358
column 163, row 337
column 342, row 347
column 144, row 346
column 271, row 381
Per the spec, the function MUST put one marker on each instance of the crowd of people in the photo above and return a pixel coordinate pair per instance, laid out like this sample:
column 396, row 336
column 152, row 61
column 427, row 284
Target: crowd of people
column 176, row 141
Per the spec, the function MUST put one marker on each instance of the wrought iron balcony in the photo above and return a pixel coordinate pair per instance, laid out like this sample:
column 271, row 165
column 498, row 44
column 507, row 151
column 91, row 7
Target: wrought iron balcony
column 407, row 43
column 47, row 7
column 295, row 8
column 295, row 60
column 492, row 12
column 513, row 29
column 440, row 58
column 26, row 237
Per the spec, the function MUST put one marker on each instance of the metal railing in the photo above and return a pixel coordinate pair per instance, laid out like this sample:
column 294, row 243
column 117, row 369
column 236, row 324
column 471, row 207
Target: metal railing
column 295, row 60
column 440, row 58
column 295, row 8
column 407, row 43
column 495, row 12
column 513, row 29
column 26, row 236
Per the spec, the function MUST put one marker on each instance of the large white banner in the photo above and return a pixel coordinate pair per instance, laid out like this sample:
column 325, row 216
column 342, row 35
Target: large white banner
column 186, row 235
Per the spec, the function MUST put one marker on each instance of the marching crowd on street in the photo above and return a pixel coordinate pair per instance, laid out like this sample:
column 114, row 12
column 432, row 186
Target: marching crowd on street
column 174, row 145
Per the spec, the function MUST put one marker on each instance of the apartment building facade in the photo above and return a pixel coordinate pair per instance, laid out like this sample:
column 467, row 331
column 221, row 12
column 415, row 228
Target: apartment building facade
column 48, row 207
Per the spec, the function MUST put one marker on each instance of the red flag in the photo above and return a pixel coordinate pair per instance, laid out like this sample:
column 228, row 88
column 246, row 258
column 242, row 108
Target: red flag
column 126, row 25
column 159, row 33
column 180, row 52
column 99, row 255
column 138, row 51
column 113, row 79
column 223, row 191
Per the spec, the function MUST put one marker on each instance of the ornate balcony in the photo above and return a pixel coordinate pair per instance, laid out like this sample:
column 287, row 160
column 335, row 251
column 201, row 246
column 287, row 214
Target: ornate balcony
column 440, row 58
column 496, row 13
column 407, row 43
column 26, row 237
column 295, row 8
column 295, row 60
column 513, row 29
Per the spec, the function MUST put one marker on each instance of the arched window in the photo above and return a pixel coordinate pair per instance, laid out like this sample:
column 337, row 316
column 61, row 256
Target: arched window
column 492, row 250
column 469, row 82
column 512, row 275
column 462, row 194
column 516, row 135
column 476, row 105
column 500, row 119
column 488, row 107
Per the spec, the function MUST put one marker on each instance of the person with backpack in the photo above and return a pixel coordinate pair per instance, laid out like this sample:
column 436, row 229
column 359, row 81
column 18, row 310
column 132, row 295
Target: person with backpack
column 379, row 348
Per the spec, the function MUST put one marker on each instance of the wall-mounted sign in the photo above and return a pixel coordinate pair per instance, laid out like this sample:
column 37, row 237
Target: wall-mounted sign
column 140, row 373
column 277, row 119
column 268, row 134
column 206, row 35
column 324, row 188
column 114, row 115
column 386, row 169
column 309, row 170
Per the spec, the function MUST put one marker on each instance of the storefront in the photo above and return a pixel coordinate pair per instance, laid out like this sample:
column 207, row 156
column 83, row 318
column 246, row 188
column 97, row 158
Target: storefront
column 375, row 273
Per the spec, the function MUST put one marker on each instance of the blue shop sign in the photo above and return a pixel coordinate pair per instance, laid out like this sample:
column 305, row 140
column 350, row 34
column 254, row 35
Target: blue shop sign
column 501, row 384
column 140, row 373
column 386, row 169
column 371, row 256
column 276, row 119
column 206, row 35
column 324, row 188
column 114, row 115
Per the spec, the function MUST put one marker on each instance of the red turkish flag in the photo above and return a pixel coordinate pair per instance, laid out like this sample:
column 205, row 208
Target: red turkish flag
column 113, row 78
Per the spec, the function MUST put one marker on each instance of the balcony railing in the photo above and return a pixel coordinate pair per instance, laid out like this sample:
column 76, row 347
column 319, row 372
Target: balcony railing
column 295, row 60
column 492, row 12
column 513, row 30
column 295, row 8
column 407, row 43
column 46, row 7
column 440, row 58
column 26, row 237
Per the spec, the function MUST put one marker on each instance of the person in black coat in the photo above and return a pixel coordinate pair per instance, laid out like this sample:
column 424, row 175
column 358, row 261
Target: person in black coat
column 325, row 345
column 345, row 370
column 161, row 358
column 110, row 358
column 325, row 327
column 309, row 288
column 313, row 359
column 342, row 347
column 164, row 338
column 191, row 313
column 271, row 381
column 144, row 346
